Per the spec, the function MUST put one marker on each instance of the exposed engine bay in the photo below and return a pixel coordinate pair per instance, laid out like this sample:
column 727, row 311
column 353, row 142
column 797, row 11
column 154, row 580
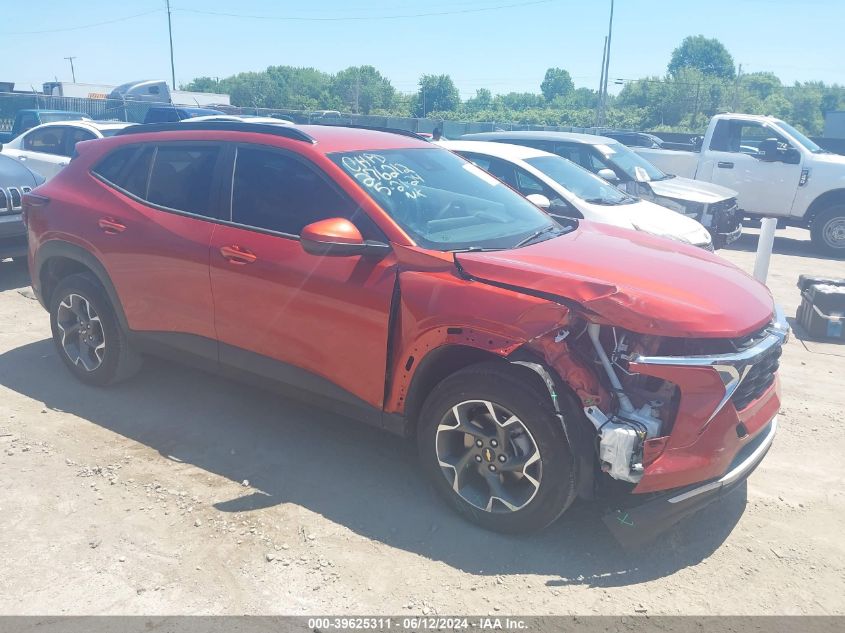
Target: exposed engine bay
column 643, row 408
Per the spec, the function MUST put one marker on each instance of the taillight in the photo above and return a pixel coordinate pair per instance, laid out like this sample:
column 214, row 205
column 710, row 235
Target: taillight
column 30, row 201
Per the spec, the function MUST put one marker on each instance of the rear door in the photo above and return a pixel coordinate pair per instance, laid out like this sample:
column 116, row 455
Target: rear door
column 44, row 150
column 155, row 218
column 317, row 322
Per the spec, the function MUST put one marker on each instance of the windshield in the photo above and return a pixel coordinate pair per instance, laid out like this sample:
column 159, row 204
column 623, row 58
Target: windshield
column 802, row 140
column 578, row 181
column 444, row 202
column 110, row 131
column 634, row 166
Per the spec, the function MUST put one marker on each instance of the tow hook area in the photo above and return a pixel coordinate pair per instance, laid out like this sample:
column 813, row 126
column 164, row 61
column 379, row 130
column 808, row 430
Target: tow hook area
column 640, row 521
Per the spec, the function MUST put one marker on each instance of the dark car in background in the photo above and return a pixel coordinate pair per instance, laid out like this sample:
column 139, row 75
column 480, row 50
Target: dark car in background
column 634, row 139
column 15, row 180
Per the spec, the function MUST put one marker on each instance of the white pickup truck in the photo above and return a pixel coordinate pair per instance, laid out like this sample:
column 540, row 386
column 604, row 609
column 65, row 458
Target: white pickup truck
column 777, row 171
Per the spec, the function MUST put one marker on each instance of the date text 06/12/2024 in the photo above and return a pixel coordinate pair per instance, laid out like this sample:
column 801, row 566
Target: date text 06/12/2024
column 417, row 624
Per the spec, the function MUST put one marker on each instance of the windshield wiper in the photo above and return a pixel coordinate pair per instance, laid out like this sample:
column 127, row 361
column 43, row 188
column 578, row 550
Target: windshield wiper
column 537, row 234
column 474, row 249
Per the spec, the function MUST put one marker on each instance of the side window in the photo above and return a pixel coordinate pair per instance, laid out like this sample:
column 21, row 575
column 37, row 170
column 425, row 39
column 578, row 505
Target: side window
column 720, row 141
column 482, row 162
column 569, row 152
column 751, row 135
column 74, row 136
column 503, row 170
column 181, row 177
column 127, row 168
column 48, row 140
column 528, row 184
column 274, row 191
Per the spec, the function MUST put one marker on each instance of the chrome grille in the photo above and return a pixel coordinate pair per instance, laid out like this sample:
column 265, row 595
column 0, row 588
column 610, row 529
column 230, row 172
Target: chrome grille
column 759, row 378
column 11, row 199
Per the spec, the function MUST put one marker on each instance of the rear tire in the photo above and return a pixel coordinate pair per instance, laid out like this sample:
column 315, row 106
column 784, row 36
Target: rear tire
column 87, row 333
column 828, row 231
column 510, row 473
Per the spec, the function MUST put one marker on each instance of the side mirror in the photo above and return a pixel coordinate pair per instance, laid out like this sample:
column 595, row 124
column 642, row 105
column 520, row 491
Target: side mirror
column 338, row 237
column 608, row 174
column 768, row 150
column 540, row 200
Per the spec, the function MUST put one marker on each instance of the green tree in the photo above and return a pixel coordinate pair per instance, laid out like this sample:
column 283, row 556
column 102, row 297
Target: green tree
column 709, row 56
column 519, row 101
column 556, row 83
column 760, row 84
column 437, row 93
column 363, row 89
column 201, row 84
column 483, row 100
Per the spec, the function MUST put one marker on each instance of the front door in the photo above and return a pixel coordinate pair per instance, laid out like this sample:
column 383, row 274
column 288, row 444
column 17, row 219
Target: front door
column 317, row 322
column 765, row 187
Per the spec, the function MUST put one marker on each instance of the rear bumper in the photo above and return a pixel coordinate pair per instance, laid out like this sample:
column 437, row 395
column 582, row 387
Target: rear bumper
column 640, row 522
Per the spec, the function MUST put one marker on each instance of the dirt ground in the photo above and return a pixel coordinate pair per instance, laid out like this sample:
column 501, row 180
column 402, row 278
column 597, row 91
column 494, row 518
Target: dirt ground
column 180, row 492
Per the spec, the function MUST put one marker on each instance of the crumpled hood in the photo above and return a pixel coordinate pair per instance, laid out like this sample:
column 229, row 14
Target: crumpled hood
column 634, row 281
column 680, row 188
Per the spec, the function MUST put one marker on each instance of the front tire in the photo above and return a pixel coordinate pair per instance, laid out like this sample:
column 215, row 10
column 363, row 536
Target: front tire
column 828, row 231
column 489, row 439
column 87, row 334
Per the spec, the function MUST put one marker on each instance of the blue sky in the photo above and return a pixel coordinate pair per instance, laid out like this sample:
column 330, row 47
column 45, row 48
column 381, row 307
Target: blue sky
column 505, row 49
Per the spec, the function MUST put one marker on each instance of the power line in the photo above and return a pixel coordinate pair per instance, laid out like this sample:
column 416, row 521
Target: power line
column 84, row 26
column 359, row 18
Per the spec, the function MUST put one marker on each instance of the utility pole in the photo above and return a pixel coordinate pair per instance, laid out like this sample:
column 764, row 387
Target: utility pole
column 170, row 33
column 736, row 89
column 72, row 71
column 601, row 84
column 607, row 64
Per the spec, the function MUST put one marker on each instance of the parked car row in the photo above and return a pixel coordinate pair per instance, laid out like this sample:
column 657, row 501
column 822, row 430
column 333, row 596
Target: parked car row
column 535, row 358
column 564, row 188
column 713, row 206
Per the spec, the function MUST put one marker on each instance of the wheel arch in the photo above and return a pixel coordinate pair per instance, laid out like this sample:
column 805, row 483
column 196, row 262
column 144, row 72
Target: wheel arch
column 57, row 259
column 822, row 202
column 437, row 365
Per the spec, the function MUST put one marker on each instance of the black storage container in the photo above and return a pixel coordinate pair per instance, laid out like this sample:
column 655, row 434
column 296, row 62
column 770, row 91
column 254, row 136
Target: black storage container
column 822, row 309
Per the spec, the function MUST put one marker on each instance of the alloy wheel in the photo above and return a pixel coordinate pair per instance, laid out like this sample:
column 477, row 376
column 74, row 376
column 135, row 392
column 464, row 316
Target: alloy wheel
column 83, row 339
column 488, row 456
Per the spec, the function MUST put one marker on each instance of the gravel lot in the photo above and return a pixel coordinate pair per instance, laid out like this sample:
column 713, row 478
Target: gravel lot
column 184, row 493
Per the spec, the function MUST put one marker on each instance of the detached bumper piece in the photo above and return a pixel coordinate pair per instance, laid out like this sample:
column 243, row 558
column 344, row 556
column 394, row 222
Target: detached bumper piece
column 822, row 309
column 640, row 523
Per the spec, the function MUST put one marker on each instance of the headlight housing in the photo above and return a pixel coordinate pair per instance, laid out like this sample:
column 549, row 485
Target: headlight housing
column 688, row 208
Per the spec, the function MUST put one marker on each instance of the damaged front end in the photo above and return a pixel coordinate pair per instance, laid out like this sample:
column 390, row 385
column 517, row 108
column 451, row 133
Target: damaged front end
column 688, row 419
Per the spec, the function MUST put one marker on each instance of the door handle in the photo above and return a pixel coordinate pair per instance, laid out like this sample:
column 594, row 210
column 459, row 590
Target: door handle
column 237, row 255
column 21, row 157
column 111, row 226
column 724, row 165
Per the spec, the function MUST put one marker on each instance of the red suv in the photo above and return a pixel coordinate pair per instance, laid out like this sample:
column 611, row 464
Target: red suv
column 535, row 360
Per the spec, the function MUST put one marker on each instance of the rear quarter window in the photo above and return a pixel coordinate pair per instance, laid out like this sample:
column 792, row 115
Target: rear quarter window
column 127, row 168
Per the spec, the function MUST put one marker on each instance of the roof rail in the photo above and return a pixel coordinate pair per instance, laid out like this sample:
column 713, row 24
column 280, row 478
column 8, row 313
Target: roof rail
column 287, row 131
column 389, row 130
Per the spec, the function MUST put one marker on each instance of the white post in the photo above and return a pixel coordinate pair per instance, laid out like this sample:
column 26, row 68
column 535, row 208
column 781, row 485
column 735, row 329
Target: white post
column 764, row 248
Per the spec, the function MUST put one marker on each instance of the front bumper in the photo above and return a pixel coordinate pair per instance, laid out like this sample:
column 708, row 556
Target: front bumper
column 729, row 237
column 12, row 236
column 642, row 521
